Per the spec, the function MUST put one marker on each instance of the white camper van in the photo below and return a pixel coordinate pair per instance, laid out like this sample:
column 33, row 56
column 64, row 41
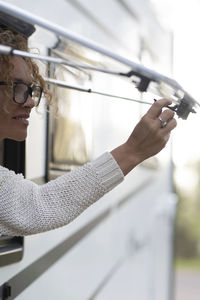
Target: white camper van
column 121, row 248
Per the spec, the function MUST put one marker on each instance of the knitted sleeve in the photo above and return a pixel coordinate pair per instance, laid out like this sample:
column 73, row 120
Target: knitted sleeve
column 26, row 208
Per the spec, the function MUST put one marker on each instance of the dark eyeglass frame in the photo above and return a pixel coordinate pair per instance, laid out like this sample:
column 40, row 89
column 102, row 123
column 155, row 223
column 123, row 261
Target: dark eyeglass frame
column 29, row 92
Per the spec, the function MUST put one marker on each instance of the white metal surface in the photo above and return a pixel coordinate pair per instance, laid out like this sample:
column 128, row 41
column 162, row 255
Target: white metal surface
column 131, row 239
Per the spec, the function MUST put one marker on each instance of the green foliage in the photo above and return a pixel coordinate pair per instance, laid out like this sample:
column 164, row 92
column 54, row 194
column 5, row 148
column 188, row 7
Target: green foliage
column 187, row 242
column 187, row 264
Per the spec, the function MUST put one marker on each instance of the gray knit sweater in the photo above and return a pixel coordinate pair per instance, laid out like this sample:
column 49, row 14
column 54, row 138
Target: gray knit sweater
column 26, row 208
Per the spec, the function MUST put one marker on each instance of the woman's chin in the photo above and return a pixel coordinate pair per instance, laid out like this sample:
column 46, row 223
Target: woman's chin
column 18, row 137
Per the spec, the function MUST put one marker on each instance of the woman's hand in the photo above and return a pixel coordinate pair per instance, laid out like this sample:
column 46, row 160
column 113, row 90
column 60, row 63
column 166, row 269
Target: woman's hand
column 148, row 137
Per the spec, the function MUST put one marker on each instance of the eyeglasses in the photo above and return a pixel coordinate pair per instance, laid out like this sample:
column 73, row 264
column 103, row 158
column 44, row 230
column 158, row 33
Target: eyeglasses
column 22, row 90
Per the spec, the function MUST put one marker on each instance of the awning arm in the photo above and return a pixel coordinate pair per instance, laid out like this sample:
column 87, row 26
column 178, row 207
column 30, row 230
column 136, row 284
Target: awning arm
column 185, row 105
column 91, row 91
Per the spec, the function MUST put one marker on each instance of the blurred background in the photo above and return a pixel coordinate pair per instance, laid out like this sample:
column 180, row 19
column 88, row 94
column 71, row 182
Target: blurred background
column 182, row 18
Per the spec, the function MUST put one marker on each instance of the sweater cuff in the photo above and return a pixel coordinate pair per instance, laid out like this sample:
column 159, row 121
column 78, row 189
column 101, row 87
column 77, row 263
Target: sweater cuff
column 108, row 171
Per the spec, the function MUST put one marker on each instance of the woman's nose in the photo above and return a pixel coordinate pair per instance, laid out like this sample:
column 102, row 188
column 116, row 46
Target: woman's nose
column 29, row 102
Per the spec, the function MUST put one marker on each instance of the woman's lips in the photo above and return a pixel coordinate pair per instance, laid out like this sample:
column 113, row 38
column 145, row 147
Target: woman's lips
column 22, row 120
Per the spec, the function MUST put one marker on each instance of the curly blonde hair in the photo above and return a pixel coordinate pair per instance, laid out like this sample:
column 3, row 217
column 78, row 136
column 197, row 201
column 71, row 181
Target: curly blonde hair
column 19, row 42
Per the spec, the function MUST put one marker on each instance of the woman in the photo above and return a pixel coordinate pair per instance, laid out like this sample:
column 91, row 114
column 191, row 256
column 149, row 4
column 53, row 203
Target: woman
column 26, row 208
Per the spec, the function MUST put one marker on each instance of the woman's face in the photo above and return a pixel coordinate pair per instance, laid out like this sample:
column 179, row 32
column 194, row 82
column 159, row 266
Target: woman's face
column 14, row 123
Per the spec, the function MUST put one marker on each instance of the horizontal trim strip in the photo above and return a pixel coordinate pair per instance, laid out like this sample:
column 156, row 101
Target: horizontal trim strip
column 27, row 276
column 23, row 279
column 107, row 278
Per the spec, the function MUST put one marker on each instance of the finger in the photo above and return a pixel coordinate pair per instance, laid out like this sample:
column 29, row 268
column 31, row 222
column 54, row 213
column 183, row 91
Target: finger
column 156, row 109
column 170, row 126
column 166, row 137
column 166, row 116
